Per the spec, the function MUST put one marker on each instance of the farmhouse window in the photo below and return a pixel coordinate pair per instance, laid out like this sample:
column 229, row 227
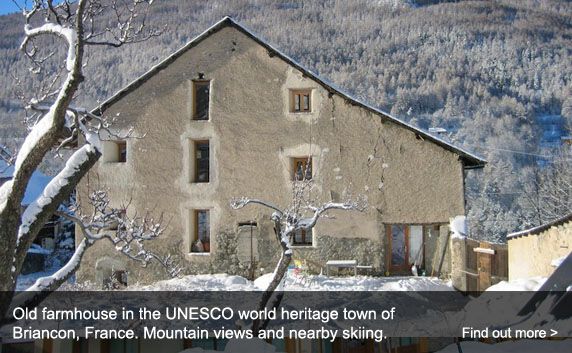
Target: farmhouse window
column 122, row 151
column 303, row 237
column 301, row 168
column 202, row 163
column 200, row 242
column 115, row 151
column 407, row 245
column 201, row 92
column 300, row 101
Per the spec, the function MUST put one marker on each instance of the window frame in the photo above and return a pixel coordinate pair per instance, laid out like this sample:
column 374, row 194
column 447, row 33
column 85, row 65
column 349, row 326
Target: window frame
column 304, row 233
column 121, row 151
column 298, row 106
column 305, row 161
column 115, row 151
column 196, row 85
column 196, row 232
column 196, row 161
column 406, row 266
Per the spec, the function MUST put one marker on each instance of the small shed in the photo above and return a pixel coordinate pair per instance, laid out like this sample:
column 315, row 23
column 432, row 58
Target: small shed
column 538, row 251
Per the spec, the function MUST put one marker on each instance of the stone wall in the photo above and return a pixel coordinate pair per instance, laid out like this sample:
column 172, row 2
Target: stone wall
column 531, row 255
column 438, row 253
column 365, row 251
column 458, row 261
column 253, row 138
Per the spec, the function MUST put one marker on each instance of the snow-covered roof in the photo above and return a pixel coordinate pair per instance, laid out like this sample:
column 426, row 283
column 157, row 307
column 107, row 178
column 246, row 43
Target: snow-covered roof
column 541, row 228
column 470, row 160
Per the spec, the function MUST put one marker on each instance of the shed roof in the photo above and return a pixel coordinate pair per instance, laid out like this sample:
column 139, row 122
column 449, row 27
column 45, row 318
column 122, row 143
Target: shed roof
column 469, row 159
column 541, row 228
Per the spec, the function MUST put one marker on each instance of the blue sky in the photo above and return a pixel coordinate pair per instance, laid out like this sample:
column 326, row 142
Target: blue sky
column 7, row 6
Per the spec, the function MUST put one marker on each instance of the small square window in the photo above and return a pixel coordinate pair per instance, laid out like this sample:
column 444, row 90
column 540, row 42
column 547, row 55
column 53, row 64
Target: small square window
column 201, row 93
column 115, row 151
column 201, row 239
column 300, row 101
column 303, row 237
column 302, row 168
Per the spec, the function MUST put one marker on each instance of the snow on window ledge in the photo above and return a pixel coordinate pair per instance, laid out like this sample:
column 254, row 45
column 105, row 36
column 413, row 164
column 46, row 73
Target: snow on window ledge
column 199, row 253
column 297, row 247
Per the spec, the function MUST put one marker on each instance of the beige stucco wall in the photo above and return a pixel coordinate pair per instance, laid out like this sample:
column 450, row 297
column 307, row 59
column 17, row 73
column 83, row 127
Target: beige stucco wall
column 252, row 137
column 532, row 255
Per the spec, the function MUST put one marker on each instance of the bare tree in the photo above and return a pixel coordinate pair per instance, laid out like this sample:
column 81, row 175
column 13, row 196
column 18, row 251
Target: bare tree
column 301, row 214
column 54, row 123
column 548, row 193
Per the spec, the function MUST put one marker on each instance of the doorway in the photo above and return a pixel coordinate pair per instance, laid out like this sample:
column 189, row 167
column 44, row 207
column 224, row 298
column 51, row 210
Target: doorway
column 405, row 247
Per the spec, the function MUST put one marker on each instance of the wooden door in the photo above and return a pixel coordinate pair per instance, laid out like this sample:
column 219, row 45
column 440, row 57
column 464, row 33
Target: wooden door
column 484, row 265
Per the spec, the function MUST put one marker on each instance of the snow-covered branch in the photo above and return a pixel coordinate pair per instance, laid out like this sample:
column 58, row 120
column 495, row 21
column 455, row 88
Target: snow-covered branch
column 53, row 282
column 241, row 202
column 128, row 234
column 130, row 25
column 287, row 223
column 66, row 33
column 55, row 123
column 308, row 223
column 57, row 191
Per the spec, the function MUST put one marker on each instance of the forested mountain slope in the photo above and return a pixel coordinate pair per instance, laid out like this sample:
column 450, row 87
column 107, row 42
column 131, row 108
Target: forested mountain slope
column 485, row 71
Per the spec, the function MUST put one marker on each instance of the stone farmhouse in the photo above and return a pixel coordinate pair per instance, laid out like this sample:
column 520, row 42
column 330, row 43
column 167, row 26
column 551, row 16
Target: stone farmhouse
column 227, row 116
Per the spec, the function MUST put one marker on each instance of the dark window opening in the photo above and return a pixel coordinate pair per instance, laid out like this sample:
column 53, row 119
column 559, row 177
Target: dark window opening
column 300, row 101
column 201, row 237
column 117, row 280
column 248, row 223
column 302, row 168
column 201, row 99
column 114, row 224
column 117, row 152
column 303, row 237
column 202, row 166
column 122, row 151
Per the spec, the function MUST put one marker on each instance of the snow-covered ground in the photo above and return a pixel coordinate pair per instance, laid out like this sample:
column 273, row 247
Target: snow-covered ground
column 216, row 282
column 523, row 284
column 299, row 283
column 357, row 283
column 521, row 346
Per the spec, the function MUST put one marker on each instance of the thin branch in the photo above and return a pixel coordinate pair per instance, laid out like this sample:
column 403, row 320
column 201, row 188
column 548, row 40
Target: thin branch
column 130, row 234
column 239, row 203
